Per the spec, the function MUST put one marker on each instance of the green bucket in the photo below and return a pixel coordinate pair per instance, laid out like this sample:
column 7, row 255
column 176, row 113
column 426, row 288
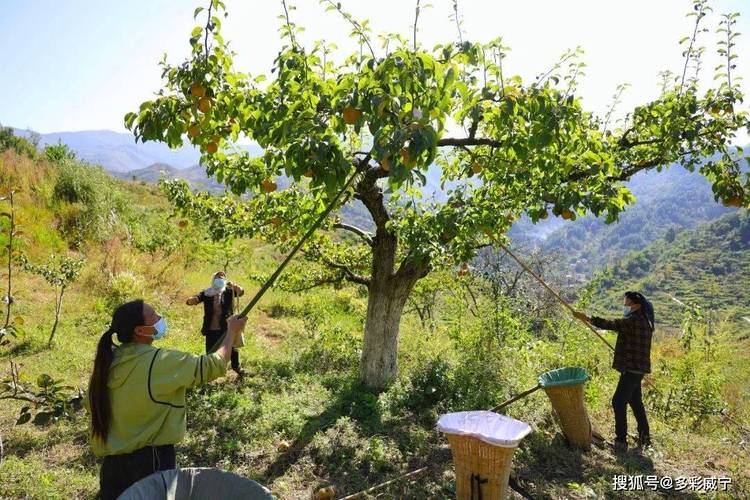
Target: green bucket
column 570, row 375
column 564, row 388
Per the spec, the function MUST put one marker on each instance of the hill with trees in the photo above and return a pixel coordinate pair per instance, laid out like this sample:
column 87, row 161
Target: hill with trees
column 708, row 267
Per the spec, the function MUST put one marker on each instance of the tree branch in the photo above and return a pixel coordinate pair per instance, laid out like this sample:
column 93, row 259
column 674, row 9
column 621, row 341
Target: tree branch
column 368, row 192
column 367, row 237
column 469, row 141
column 348, row 273
column 330, row 281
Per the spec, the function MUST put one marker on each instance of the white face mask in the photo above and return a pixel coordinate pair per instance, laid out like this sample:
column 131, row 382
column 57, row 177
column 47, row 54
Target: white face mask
column 626, row 310
column 219, row 283
column 161, row 329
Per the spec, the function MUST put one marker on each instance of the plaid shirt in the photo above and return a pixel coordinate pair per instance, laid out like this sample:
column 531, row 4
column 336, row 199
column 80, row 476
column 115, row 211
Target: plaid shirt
column 633, row 347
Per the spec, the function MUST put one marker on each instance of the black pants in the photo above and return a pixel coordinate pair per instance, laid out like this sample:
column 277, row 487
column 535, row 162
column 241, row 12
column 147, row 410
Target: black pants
column 120, row 471
column 212, row 339
column 628, row 392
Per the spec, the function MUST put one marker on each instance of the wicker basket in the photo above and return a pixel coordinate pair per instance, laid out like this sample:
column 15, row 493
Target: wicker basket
column 482, row 444
column 482, row 469
column 566, row 396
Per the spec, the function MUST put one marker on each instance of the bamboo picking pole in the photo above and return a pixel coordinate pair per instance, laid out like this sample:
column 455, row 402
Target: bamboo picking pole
column 289, row 257
column 545, row 285
column 516, row 398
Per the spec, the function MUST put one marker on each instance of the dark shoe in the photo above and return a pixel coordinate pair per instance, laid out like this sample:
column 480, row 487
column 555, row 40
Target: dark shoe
column 621, row 446
column 240, row 373
column 644, row 440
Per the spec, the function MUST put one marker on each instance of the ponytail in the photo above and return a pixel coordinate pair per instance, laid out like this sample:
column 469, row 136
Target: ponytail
column 124, row 320
column 101, row 410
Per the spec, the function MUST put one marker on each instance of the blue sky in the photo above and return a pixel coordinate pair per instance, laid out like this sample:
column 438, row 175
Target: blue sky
column 82, row 64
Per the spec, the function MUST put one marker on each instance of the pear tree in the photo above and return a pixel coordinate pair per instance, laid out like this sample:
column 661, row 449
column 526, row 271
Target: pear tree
column 389, row 115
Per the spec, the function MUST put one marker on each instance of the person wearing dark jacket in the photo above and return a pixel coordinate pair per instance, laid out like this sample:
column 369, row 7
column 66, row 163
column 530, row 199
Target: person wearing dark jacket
column 633, row 360
column 218, row 305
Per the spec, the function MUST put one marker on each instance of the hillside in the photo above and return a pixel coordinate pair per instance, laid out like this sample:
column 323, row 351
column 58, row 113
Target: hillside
column 666, row 201
column 708, row 266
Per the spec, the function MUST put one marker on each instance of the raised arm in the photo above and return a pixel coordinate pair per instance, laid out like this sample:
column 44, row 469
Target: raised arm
column 619, row 325
column 195, row 299
column 237, row 289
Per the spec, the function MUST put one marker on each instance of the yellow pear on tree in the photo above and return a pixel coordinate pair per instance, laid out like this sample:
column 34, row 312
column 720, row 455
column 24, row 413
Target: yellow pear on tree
column 268, row 185
column 476, row 168
column 566, row 214
column 193, row 131
column 204, row 104
column 197, row 90
column 409, row 163
column 351, row 115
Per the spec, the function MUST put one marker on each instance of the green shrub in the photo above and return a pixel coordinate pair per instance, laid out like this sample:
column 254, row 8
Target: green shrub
column 90, row 206
column 58, row 153
column 8, row 140
column 77, row 183
column 121, row 288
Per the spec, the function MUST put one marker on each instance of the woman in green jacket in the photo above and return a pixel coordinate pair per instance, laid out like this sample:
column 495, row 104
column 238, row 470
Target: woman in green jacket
column 136, row 395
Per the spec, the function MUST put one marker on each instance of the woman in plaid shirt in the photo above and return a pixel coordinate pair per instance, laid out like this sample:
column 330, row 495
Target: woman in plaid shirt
column 633, row 360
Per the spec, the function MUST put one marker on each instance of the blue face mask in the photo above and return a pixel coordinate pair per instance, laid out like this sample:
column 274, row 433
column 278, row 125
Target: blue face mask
column 161, row 329
column 219, row 283
column 626, row 310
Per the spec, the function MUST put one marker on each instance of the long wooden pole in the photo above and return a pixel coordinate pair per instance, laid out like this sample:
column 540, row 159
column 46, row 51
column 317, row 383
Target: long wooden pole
column 516, row 398
column 301, row 242
column 545, row 285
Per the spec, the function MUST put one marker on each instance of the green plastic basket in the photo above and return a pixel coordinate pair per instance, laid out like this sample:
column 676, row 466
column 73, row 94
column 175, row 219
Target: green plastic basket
column 570, row 375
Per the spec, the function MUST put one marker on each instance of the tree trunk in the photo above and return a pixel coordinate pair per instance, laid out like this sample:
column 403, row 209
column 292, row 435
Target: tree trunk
column 379, row 366
column 388, row 293
column 388, row 288
column 58, row 307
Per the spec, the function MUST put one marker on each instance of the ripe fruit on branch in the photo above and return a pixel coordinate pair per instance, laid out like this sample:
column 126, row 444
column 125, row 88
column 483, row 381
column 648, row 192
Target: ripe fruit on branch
column 351, row 115
column 308, row 173
column 385, row 164
column 734, row 201
column 476, row 168
column 204, row 104
column 464, row 271
column 405, row 158
column 212, row 147
column 276, row 221
column 327, row 493
column 268, row 185
column 566, row 214
column 197, row 90
column 194, row 131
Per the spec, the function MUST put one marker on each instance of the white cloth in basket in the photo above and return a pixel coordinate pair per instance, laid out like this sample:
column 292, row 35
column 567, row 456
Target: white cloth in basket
column 486, row 426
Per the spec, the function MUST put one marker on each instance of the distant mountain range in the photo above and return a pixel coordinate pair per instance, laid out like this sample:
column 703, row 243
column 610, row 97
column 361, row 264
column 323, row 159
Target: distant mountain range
column 118, row 152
